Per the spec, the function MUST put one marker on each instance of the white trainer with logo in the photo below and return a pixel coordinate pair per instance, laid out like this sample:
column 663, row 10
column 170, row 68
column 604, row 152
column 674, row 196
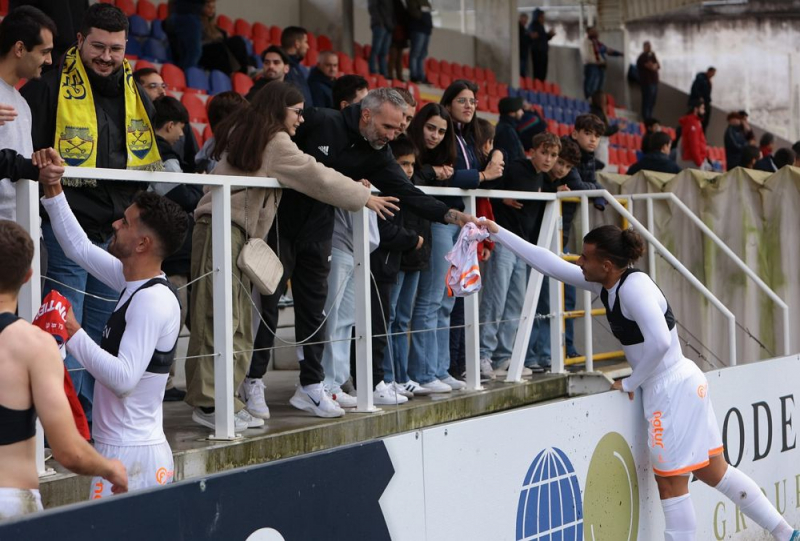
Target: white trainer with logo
column 252, row 394
column 314, row 399
column 384, row 395
column 455, row 384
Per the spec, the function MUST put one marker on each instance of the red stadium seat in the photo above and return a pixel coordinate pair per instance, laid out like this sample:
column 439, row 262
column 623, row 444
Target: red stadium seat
column 126, row 6
column 492, row 89
column 556, row 89
column 469, row 72
column 564, row 130
column 345, row 63
column 173, row 76
column 380, row 81
column 324, row 43
column 552, row 126
column 483, row 103
column 445, row 68
column 260, row 44
column 406, row 58
column 241, row 83
column 397, row 83
column 312, row 41
column 361, row 67
column 163, row 11
column 414, row 89
column 613, row 156
column 358, row 50
column 538, row 86
column 433, row 78
column 145, row 64
column 226, row 24
column 432, row 66
column 310, row 59
column 548, row 87
column 366, row 51
column 480, row 74
column 502, row 90
column 614, row 139
column 483, row 87
column 242, row 28
column 198, row 136
column 631, row 157
column 457, row 71
column 195, row 107
column 494, row 103
column 260, row 31
column 444, row 80
column 275, row 34
column 622, row 169
column 490, row 76
column 146, row 10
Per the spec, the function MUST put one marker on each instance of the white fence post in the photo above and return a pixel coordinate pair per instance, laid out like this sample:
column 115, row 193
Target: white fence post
column 587, row 295
column 472, row 329
column 363, row 286
column 223, row 312
column 556, row 299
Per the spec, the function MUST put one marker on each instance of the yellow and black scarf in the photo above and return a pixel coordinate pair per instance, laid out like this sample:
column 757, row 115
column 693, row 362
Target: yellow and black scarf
column 76, row 121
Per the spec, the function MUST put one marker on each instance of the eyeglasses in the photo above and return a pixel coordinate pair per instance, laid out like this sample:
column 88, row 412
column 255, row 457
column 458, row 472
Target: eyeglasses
column 464, row 101
column 113, row 50
column 297, row 110
column 153, row 86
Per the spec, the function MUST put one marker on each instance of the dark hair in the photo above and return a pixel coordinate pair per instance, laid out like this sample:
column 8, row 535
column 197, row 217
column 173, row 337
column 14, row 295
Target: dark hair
column 402, row 146
column 570, row 151
column 17, row 249
column 547, row 140
column 796, row 148
column 139, row 74
column 278, row 51
column 407, row 97
column 591, row 123
column 291, row 34
column 445, row 152
column 104, row 17
column 650, row 122
column 620, row 246
column 483, row 131
column 733, row 115
column 658, row 140
column 222, row 105
column 24, row 24
column 168, row 109
column 695, row 103
column 783, row 157
column 766, row 139
column 346, row 87
column 165, row 219
column 749, row 155
column 246, row 133
column 450, row 93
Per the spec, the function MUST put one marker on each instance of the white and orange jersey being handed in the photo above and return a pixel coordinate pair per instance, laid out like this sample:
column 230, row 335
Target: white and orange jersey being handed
column 684, row 432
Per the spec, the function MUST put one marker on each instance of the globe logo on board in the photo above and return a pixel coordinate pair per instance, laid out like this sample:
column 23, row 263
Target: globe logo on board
column 550, row 505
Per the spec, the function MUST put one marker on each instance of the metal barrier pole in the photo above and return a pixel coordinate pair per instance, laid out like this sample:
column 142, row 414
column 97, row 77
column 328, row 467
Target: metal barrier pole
column 223, row 312
column 362, row 282
column 587, row 295
column 472, row 348
column 556, row 309
column 30, row 295
column 651, row 250
column 532, row 293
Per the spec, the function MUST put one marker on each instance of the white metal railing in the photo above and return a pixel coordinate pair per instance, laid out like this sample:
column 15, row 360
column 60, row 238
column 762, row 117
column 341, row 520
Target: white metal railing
column 220, row 187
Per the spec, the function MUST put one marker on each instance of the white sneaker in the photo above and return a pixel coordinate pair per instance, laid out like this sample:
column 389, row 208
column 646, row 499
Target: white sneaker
column 342, row 398
column 453, row 383
column 313, row 399
column 415, row 388
column 384, row 395
column 486, row 369
column 207, row 420
column 252, row 394
column 400, row 388
column 249, row 420
column 437, row 386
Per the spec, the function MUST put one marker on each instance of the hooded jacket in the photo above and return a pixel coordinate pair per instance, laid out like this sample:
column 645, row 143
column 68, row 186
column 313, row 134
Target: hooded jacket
column 334, row 139
column 693, row 141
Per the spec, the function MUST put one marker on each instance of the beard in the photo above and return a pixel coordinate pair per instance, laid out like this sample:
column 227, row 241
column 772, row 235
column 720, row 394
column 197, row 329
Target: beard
column 372, row 136
column 116, row 249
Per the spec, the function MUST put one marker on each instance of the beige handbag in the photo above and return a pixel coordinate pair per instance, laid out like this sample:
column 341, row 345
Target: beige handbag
column 257, row 260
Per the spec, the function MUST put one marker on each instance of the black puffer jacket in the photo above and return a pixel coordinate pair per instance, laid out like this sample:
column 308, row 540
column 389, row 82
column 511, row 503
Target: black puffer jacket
column 417, row 260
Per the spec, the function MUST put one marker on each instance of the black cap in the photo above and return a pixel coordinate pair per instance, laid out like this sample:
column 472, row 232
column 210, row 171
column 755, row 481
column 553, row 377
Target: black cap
column 509, row 105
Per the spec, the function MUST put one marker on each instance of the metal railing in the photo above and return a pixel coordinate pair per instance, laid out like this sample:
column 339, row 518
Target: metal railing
column 220, row 187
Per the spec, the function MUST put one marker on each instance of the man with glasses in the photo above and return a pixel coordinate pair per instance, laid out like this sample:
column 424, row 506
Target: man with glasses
column 93, row 113
column 321, row 78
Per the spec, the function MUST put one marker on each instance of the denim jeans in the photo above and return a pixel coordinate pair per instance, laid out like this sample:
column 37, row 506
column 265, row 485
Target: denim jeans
column 379, row 57
column 539, row 344
column 503, row 295
column 90, row 312
column 649, row 94
column 569, row 327
column 186, row 38
column 594, row 78
column 417, row 55
column 341, row 318
column 395, row 358
column 429, row 356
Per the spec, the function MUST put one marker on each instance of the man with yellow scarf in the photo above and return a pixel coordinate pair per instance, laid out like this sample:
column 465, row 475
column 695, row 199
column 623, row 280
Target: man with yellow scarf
column 90, row 109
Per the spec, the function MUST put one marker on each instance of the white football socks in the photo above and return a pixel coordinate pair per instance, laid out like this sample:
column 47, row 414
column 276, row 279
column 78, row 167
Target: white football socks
column 679, row 518
column 746, row 494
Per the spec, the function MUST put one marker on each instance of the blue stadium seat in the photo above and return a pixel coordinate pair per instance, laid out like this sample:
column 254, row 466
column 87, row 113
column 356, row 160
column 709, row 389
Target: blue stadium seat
column 219, row 82
column 138, row 27
column 196, row 78
column 548, row 111
column 133, row 47
column 257, row 62
column 537, row 98
column 157, row 30
column 154, row 49
column 558, row 115
column 513, row 92
column 248, row 45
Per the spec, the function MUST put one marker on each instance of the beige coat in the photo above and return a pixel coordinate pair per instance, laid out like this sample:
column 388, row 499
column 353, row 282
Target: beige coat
column 294, row 169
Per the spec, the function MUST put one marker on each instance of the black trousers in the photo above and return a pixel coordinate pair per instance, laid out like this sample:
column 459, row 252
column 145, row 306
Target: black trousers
column 379, row 300
column 458, row 358
column 307, row 265
column 539, row 64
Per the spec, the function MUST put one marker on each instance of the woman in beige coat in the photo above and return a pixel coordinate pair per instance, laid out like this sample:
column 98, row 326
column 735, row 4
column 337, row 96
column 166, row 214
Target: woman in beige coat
column 255, row 141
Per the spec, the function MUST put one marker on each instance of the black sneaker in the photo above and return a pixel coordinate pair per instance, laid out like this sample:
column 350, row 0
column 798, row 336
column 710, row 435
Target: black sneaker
column 174, row 395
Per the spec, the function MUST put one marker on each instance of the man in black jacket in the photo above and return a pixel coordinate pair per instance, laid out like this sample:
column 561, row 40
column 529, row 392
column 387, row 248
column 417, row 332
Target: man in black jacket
column 701, row 88
column 354, row 142
column 657, row 159
column 321, row 78
column 506, row 137
column 96, row 203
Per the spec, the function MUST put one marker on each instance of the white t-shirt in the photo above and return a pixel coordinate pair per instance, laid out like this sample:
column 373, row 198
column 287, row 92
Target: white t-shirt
column 127, row 400
column 15, row 135
column 641, row 301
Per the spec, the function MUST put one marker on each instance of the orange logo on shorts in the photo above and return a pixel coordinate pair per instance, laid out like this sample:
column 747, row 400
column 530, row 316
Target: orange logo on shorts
column 702, row 390
column 163, row 476
column 657, row 432
column 98, row 490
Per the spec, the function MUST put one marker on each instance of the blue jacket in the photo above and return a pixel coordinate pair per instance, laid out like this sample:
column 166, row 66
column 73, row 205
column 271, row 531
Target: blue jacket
column 298, row 78
column 321, row 87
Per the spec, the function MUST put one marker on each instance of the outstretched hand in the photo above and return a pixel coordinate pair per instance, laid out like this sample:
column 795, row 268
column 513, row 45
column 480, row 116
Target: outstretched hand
column 617, row 386
column 382, row 205
column 117, row 476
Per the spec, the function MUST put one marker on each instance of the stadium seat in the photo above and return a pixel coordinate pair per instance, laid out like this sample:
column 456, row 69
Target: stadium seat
column 145, row 64
column 260, row 31
column 558, row 115
column 613, row 156
column 126, row 6
column 358, row 50
column 324, row 43
column 242, row 28
column 444, row 80
column 480, row 74
column 133, row 49
column 225, row 23
column 552, row 126
column 397, row 83
column 174, row 77
column 631, row 156
column 196, row 80
column 456, row 71
column 381, row 82
column 312, row 41
column 491, row 89
column 432, row 66
column 163, row 11
column 198, row 136
column 275, row 34
column 490, row 76
column 494, row 103
column 445, row 68
column 219, row 82
column 310, row 60
column 146, row 10
column 345, row 63
column 414, row 89
column 564, row 129
column 469, row 72
column 366, row 51
column 195, row 107
column 433, row 78
column 138, row 27
column 157, row 30
column 3, row 7
column 155, row 50
column 502, row 90
column 361, row 67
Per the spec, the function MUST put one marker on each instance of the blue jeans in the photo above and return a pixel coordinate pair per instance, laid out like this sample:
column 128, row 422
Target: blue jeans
column 417, row 55
column 429, row 356
column 381, row 40
column 90, row 312
column 649, row 94
column 341, row 318
column 186, row 38
column 503, row 295
column 569, row 326
column 395, row 358
column 594, row 79
column 539, row 344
